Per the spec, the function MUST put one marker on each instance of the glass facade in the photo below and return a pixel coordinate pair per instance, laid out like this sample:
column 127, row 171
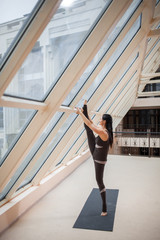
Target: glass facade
column 52, row 53
column 55, row 49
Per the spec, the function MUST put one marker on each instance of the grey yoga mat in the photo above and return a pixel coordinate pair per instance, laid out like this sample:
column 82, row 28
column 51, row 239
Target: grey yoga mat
column 90, row 216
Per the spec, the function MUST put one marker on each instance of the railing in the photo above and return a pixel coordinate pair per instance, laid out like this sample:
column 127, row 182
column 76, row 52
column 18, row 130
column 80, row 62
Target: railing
column 139, row 128
column 136, row 143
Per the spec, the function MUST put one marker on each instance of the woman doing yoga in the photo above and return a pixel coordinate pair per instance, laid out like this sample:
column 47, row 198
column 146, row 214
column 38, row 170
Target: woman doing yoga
column 98, row 146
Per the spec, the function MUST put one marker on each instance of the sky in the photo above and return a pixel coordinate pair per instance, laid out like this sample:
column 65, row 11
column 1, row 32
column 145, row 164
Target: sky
column 13, row 9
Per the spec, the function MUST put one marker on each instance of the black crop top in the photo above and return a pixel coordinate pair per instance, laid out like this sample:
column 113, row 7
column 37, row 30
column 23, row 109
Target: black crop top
column 101, row 149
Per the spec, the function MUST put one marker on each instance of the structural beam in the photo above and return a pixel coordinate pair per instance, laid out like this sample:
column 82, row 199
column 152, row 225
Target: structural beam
column 146, row 103
column 149, row 75
column 149, row 81
column 21, row 103
column 148, row 94
column 155, row 20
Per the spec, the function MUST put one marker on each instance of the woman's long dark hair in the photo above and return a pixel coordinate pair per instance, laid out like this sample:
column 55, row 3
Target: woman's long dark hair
column 108, row 119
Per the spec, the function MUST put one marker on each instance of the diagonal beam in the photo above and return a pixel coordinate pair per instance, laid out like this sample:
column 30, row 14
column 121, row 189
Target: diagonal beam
column 155, row 20
column 21, row 103
column 146, row 103
column 149, row 75
column 149, row 81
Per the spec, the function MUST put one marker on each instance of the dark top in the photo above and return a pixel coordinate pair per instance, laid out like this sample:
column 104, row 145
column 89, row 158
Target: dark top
column 101, row 149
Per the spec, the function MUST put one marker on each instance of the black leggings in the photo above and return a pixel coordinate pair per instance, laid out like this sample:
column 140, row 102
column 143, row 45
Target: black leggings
column 99, row 168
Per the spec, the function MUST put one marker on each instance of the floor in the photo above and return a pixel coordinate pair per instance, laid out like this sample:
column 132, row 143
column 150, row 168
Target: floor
column 138, row 206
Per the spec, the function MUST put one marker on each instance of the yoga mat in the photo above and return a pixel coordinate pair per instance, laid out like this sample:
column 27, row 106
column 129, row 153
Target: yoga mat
column 90, row 216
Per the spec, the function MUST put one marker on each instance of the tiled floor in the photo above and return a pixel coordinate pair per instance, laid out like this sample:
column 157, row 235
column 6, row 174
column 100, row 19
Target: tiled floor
column 138, row 208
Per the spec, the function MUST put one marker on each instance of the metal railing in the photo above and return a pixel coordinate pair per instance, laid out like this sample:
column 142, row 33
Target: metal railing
column 136, row 143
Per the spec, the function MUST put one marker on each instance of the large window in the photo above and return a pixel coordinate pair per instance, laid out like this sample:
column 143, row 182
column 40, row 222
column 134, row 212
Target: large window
column 56, row 47
column 29, row 158
column 13, row 18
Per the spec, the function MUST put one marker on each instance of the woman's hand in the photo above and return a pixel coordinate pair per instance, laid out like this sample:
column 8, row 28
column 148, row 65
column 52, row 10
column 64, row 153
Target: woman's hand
column 79, row 110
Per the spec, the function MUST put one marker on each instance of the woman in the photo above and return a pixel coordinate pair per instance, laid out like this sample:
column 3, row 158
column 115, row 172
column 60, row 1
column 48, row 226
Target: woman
column 98, row 146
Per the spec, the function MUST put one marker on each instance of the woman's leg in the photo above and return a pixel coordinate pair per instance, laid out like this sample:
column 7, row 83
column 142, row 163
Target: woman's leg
column 99, row 169
column 90, row 134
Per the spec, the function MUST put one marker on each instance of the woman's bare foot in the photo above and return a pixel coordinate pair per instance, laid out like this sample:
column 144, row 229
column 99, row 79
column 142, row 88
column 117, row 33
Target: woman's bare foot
column 104, row 214
column 85, row 102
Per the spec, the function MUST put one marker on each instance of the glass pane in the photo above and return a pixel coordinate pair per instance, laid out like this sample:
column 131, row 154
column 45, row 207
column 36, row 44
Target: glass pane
column 13, row 16
column 112, row 60
column 75, row 141
column 13, row 122
column 51, row 147
column 31, row 154
column 102, row 52
column 55, row 49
